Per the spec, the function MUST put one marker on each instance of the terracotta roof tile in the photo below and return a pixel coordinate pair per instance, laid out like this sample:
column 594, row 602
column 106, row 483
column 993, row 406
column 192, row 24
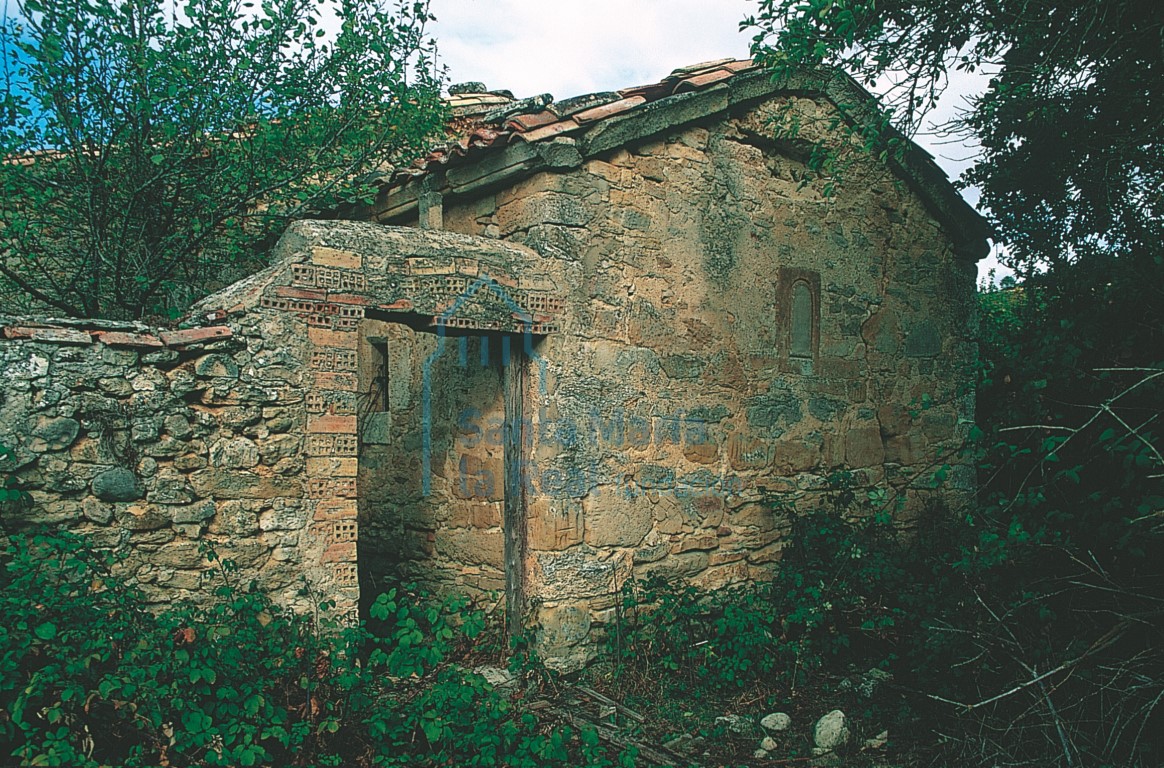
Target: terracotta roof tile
column 484, row 120
column 553, row 129
column 703, row 66
column 575, row 104
column 740, row 65
column 702, row 80
column 651, row 91
column 529, row 122
column 609, row 110
column 470, row 104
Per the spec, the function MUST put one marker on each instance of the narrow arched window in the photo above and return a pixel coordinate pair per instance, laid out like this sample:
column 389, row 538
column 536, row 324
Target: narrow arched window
column 798, row 312
column 802, row 316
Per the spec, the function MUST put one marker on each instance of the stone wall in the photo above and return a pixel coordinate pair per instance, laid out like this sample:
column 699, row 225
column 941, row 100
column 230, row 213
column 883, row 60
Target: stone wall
column 159, row 445
column 730, row 339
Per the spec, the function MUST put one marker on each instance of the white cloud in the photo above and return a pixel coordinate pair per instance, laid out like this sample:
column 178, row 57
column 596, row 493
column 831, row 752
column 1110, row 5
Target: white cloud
column 571, row 48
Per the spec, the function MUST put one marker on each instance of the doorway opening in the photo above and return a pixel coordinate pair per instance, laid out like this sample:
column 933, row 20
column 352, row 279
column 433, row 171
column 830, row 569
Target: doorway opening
column 439, row 490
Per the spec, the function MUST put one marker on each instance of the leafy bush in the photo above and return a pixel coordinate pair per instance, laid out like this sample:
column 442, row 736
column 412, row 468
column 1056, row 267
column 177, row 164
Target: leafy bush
column 684, row 634
column 90, row 677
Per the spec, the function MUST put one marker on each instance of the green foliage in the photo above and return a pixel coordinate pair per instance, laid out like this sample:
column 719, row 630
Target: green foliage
column 962, row 612
column 676, row 631
column 1071, row 508
column 1070, row 133
column 90, row 677
column 10, row 494
column 158, row 148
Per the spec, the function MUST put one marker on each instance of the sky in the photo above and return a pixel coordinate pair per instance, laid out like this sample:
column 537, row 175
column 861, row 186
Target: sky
column 571, row 47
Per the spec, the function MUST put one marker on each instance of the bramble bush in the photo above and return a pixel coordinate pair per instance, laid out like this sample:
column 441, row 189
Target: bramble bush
column 90, row 677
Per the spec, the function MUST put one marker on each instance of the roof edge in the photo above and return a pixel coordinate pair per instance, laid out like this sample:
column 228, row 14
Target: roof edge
column 570, row 144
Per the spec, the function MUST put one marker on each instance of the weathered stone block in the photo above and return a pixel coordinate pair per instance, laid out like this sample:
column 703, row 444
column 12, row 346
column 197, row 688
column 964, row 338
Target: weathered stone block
column 285, row 517
column 142, row 517
column 923, row 341
column 575, row 573
column 674, row 567
column 186, row 580
column 688, row 543
column 863, row 446
column 189, row 461
column 145, row 430
column 239, row 453
column 53, row 434
column 475, row 515
column 192, row 336
column 564, row 626
column 179, row 554
column 718, row 577
column 652, row 553
column 748, row 450
column 193, row 513
column 245, row 553
column 177, row 425
column 236, row 518
column 117, row 484
column 616, row 519
column 377, row 428
column 778, row 408
column 170, row 488
column 94, row 510
column 277, row 447
column 682, row 366
column 471, row 546
column 237, row 484
column 554, row 524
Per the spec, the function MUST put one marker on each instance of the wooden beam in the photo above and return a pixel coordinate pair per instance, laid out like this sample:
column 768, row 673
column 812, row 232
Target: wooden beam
column 513, row 519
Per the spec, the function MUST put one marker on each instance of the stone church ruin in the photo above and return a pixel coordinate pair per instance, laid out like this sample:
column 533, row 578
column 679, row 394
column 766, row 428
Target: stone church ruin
column 584, row 342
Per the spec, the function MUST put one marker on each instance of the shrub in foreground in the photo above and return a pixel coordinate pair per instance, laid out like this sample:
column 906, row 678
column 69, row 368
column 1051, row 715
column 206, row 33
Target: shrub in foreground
column 90, row 677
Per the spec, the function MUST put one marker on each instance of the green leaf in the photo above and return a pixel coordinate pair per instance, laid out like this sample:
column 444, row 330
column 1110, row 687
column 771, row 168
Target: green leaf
column 46, row 631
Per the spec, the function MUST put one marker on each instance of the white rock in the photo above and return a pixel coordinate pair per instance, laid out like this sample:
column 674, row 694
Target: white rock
column 777, row 721
column 496, row 676
column 760, row 753
column 737, row 724
column 831, row 731
column 768, row 743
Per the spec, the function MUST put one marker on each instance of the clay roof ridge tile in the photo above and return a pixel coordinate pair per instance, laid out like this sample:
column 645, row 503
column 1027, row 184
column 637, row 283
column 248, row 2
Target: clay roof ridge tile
column 611, row 109
column 695, row 69
column 702, row 80
column 519, row 107
column 552, row 129
column 528, row 122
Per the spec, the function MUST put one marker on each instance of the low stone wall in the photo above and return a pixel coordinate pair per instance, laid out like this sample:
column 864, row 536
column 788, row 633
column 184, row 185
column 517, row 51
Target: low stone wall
column 161, row 445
